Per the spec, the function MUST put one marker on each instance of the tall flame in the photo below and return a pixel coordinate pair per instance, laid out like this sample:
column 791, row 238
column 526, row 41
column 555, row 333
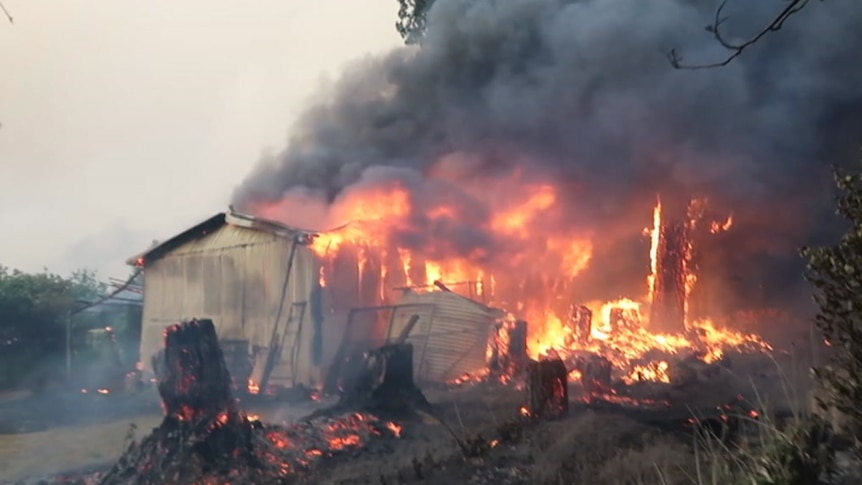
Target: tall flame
column 654, row 235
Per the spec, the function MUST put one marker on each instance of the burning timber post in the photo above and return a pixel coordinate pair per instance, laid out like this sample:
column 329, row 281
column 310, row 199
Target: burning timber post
column 667, row 311
column 548, row 388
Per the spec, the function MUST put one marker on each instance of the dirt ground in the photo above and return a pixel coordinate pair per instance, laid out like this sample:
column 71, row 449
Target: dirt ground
column 47, row 435
column 65, row 448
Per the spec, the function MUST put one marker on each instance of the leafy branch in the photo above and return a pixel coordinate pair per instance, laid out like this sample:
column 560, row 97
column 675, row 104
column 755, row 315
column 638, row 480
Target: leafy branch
column 736, row 49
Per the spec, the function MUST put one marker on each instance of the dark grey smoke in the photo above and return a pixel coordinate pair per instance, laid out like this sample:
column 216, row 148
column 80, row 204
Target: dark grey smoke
column 583, row 90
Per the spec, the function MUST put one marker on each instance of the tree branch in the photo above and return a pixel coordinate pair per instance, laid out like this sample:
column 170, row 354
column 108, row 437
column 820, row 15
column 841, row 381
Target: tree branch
column 793, row 7
column 411, row 19
column 6, row 13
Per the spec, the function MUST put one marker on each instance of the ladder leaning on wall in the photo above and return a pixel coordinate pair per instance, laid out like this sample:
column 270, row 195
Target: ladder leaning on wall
column 289, row 336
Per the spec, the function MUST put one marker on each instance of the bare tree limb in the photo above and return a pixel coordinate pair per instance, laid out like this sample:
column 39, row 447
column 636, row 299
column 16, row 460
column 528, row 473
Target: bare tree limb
column 6, row 13
column 793, row 7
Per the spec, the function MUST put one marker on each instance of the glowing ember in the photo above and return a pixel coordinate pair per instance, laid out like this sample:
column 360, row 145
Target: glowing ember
column 396, row 429
column 654, row 371
column 717, row 227
column 253, row 387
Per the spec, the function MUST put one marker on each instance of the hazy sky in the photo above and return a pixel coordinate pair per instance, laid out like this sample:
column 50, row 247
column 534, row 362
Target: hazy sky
column 125, row 121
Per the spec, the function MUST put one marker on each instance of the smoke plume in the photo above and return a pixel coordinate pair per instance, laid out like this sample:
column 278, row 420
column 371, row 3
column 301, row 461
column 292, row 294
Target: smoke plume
column 581, row 92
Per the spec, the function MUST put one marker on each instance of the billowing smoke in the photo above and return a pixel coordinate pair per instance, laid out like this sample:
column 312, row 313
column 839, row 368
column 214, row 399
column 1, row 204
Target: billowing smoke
column 581, row 92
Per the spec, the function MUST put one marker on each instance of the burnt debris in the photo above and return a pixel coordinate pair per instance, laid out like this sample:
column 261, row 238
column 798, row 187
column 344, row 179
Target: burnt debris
column 206, row 439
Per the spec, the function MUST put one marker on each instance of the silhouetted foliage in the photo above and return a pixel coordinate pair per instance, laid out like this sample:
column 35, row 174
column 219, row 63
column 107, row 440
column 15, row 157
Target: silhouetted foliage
column 411, row 19
column 33, row 307
column 836, row 273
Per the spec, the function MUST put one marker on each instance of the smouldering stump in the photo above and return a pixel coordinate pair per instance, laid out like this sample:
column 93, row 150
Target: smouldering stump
column 196, row 383
column 548, row 388
column 205, row 439
column 203, row 433
column 384, row 382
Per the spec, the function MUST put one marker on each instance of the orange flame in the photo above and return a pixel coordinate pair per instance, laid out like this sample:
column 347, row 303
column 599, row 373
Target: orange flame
column 531, row 276
column 717, row 227
column 654, row 235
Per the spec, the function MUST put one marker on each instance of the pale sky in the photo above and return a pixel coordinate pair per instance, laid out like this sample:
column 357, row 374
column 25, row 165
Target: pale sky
column 125, row 121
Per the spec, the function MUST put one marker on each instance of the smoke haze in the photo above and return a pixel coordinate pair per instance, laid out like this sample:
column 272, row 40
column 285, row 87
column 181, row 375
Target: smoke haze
column 581, row 93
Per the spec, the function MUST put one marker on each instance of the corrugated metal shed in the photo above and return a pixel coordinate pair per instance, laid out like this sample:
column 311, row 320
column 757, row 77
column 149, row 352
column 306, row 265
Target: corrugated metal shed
column 234, row 274
column 451, row 335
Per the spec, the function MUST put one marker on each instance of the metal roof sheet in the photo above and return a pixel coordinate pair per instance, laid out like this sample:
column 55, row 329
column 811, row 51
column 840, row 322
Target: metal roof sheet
column 210, row 225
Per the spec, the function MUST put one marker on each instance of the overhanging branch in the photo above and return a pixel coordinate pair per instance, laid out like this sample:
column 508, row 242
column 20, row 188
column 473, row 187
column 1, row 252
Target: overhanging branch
column 736, row 49
column 6, row 13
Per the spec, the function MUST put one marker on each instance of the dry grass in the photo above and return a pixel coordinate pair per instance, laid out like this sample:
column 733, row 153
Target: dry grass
column 60, row 449
column 595, row 448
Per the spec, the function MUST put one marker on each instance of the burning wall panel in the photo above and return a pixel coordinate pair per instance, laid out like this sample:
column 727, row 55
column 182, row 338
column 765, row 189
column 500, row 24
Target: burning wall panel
column 454, row 342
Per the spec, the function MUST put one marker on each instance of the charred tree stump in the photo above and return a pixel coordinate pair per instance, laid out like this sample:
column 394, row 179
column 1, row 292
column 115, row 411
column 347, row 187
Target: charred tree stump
column 384, row 382
column 379, row 381
column 203, row 434
column 196, row 383
column 548, row 388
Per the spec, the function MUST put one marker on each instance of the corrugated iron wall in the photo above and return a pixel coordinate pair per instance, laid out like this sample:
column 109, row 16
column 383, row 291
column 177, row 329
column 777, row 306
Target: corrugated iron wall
column 449, row 340
column 234, row 276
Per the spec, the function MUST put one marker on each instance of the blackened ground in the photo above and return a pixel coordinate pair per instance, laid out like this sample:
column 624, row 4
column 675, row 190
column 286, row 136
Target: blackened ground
column 476, row 435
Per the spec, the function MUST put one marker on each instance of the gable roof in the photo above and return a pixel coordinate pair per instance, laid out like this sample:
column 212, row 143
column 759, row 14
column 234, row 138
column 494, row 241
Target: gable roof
column 212, row 224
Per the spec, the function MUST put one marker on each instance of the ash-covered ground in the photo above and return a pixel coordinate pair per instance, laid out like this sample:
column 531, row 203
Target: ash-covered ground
column 475, row 434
